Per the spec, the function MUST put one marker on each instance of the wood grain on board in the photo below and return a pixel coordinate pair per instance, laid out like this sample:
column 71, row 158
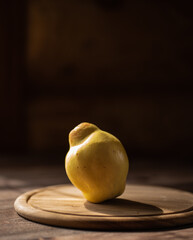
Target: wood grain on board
column 140, row 207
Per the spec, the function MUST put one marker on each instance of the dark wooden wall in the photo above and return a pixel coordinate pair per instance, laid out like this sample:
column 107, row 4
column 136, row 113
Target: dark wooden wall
column 12, row 75
column 124, row 65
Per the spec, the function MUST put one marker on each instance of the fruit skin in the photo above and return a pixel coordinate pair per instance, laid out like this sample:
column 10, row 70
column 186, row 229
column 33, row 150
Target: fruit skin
column 96, row 163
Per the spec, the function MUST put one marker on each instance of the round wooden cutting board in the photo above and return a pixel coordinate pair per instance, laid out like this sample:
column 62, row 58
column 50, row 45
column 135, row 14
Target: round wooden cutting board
column 139, row 207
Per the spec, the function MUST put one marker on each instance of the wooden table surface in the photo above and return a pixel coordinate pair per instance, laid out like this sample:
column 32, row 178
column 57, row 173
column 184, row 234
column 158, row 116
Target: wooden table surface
column 15, row 180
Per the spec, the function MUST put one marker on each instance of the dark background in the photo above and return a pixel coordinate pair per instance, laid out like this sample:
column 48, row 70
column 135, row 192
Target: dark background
column 125, row 66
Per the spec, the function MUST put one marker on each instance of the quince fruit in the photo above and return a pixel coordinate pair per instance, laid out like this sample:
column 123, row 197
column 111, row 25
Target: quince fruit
column 96, row 163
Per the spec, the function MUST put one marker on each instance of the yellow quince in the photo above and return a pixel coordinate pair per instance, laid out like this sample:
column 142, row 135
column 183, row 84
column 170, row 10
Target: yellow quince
column 96, row 163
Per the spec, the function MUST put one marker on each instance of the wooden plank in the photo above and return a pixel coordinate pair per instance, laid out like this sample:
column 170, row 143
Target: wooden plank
column 148, row 125
column 12, row 74
column 76, row 44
